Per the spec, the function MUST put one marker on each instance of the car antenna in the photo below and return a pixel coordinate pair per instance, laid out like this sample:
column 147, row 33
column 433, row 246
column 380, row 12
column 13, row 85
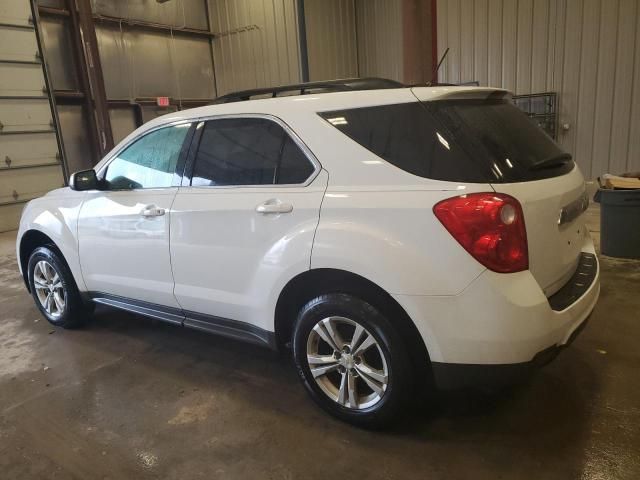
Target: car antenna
column 434, row 80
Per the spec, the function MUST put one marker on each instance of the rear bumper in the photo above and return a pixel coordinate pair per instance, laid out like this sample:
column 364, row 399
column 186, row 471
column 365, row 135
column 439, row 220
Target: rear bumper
column 499, row 326
column 450, row 376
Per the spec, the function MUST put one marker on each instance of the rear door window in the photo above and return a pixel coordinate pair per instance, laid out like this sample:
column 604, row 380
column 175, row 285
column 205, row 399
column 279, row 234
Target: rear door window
column 477, row 141
column 248, row 151
column 410, row 138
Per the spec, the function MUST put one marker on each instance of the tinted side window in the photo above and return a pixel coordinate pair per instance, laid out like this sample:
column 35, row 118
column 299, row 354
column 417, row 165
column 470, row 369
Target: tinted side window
column 149, row 162
column 248, row 151
column 497, row 133
column 294, row 165
column 479, row 141
column 409, row 137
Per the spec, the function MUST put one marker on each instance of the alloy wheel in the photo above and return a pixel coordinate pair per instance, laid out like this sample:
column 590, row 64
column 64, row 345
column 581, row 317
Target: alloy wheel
column 347, row 363
column 49, row 289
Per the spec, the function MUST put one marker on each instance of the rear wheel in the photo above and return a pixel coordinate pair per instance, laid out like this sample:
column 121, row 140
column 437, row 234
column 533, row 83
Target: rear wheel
column 54, row 289
column 351, row 360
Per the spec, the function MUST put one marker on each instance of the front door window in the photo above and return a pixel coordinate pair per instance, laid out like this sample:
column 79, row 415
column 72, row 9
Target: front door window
column 149, row 162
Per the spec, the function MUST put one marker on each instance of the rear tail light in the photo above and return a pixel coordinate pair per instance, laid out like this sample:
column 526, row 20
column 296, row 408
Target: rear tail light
column 490, row 226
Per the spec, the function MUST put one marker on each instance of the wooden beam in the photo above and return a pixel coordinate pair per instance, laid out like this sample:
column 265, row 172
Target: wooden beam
column 81, row 70
column 91, row 60
column 417, row 41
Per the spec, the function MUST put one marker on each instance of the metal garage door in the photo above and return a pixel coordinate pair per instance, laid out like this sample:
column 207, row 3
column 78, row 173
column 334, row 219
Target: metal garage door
column 30, row 162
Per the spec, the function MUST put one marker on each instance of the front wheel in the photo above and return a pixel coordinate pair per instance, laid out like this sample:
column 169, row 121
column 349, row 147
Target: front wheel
column 54, row 289
column 351, row 360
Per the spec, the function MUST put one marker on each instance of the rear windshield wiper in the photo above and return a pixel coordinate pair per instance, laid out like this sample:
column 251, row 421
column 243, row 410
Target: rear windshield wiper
column 552, row 162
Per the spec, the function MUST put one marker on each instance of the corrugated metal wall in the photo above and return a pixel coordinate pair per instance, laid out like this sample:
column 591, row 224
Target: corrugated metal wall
column 379, row 24
column 181, row 13
column 349, row 38
column 331, row 39
column 586, row 50
column 256, row 43
column 140, row 64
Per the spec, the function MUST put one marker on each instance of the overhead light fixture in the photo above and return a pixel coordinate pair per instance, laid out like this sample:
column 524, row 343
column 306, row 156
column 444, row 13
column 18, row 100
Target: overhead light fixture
column 337, row 121
column 442, row 140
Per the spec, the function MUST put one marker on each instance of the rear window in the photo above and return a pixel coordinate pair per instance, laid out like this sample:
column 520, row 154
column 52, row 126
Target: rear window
column 479, row 141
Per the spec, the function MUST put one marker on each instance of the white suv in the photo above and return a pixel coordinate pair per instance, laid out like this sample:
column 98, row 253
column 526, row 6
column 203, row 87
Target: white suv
column 388, row 236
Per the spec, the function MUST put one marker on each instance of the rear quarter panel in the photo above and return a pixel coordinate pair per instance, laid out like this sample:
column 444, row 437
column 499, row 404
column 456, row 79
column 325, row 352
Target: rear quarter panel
column 393, row 239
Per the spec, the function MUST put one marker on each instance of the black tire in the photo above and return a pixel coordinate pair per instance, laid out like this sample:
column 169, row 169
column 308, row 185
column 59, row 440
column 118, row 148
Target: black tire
column 398, row 387
column 74, row 312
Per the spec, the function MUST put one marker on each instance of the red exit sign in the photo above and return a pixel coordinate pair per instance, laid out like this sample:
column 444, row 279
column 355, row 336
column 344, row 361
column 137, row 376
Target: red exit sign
column 162, row 101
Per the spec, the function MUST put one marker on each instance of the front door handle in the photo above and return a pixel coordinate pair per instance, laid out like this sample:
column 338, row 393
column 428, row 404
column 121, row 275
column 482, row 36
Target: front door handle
column 152, row 211
column 274, row 206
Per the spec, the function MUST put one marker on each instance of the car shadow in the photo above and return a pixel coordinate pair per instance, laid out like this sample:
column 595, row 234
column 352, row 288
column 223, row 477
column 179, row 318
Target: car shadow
column 551, row 403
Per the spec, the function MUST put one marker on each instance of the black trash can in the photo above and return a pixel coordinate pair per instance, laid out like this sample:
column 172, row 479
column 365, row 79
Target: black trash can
column 619, row 222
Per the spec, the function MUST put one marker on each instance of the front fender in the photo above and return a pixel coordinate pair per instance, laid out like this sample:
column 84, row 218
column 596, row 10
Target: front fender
column 56, row 216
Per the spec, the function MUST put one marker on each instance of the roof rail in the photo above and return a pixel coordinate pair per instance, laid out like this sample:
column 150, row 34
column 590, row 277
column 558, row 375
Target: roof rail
column 348, row 84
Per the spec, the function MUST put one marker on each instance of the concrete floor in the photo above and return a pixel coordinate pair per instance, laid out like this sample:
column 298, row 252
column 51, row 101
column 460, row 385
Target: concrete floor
column 127, row 397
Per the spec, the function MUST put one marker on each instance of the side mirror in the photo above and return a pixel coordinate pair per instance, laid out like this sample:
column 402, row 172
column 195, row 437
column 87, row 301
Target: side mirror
column 83, row 180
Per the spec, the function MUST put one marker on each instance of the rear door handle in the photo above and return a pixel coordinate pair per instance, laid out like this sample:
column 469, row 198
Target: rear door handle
column 152, row 211
column 274, row 206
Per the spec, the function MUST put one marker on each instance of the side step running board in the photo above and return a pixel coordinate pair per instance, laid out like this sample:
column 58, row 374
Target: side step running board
column 197, row 321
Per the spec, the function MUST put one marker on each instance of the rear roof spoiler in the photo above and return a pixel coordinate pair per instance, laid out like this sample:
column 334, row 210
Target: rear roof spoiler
column 426, row 94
